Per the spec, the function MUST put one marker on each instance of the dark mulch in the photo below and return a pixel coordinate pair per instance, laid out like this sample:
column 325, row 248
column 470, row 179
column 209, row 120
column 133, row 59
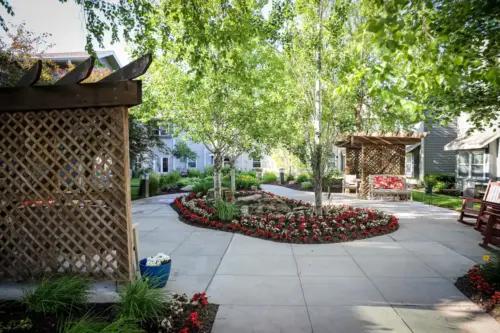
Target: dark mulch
column 14, row 312
column 483, row 302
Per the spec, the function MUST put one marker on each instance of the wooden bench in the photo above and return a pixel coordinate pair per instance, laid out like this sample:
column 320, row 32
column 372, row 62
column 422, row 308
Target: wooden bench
column 389, row 185
column 468, row 211
column 488, row 219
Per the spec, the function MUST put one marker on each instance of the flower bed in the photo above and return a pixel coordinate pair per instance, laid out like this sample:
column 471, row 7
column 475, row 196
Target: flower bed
column 338, row 223
column 481, row 290
column 182, row 314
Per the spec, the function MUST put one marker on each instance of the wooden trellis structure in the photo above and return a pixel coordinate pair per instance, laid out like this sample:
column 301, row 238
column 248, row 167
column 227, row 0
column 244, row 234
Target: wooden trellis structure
column 376, row 153
column 64, row 174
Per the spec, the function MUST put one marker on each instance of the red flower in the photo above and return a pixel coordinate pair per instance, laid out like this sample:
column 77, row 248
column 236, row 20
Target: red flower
column 496, row 297
column 184, row 330
column 315, row 237
column 193, row 320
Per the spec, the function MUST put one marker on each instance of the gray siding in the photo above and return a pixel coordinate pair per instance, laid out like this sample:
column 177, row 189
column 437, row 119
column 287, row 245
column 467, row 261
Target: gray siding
column 435, row 158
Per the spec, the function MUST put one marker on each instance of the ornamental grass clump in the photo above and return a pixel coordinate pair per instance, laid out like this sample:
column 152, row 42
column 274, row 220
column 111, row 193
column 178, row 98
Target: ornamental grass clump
column 91, row 324
column 140, row 301
column 53, row 295
column 226, row 210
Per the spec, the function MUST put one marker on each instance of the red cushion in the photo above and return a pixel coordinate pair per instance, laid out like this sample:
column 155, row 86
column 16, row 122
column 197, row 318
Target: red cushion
column 388, row 182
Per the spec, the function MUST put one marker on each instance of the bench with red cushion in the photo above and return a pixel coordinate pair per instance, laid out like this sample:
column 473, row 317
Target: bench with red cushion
column 388, row 185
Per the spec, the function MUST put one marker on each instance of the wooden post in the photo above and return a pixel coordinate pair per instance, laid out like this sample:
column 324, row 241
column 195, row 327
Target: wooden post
column 128, row 212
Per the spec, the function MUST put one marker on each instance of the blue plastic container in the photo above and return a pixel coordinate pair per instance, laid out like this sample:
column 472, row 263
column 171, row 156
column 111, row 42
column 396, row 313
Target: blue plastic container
column 157, row 275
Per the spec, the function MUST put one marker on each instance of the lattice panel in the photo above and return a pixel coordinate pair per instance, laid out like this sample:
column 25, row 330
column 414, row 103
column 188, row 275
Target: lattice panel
column 353, row 161
column 64, row 206
column 380, row 159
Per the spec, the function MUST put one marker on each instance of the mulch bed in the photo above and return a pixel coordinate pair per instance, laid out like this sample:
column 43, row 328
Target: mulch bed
column 12, row 313
column 484, row 297
column 338, row 223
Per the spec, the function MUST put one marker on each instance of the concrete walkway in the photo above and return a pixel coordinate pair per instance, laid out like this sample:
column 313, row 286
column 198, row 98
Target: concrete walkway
column 402, row 282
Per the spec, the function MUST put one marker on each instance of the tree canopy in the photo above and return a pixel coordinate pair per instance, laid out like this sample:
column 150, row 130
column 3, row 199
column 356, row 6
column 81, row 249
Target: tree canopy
column 126, row 18
column 440, row 58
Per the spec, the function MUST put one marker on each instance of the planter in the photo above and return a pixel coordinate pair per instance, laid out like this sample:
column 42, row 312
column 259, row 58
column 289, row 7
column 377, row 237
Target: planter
column 157, row 275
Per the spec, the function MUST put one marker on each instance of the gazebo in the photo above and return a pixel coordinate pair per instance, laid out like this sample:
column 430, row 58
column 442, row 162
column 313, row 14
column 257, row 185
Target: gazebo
column 376, row 153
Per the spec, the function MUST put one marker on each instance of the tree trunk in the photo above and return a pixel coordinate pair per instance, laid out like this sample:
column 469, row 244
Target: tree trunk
column 217, row 174
column 233, row 175
column 317, row 115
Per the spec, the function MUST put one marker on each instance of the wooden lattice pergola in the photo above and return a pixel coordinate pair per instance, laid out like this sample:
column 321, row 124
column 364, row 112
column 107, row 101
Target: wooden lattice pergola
column 376, row 153
column 64, row 174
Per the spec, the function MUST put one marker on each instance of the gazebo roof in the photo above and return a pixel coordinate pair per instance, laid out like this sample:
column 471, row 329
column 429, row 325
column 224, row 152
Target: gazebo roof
column 356, row 140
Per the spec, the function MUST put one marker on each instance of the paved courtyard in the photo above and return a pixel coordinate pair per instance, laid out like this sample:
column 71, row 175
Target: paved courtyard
column 402, row 282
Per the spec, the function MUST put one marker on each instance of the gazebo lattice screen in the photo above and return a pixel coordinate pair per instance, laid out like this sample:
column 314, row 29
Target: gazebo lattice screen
column 376, row 153
column 64, row 175
column 381, row 159
column 353, row 161
column 63, row 196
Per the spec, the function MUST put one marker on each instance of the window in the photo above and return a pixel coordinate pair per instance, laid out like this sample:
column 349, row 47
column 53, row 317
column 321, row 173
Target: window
column 164, row 164
column 192, row 164
column 165, row 130
column 409, row 165
column 472, row 164
column 463, row 164
column 256, row 164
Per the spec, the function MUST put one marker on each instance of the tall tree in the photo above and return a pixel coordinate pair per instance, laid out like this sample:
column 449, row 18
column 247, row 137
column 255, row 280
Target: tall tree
column 219, row 86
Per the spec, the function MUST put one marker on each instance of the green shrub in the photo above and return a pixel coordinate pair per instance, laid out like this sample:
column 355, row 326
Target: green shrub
column 303, row 177
column 439, row 187
column 226, row 170
column 306, row 185
column 439, row 181
column 154, row 183
column 203, row 186
column 251, row 173
column 430, row 180
column 269, row 177
column 188, row 181
column 209, row 179
column 53, row 295
column 209, row 171
column 290, row 177
column 245, row 182
column 139, row 301
column 491, row 269
column 194, row 173
column 225, row 210
column 169, row 180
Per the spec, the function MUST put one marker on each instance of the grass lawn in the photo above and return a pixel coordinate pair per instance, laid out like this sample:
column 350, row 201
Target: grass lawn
column 134, row 188
column 440, row 200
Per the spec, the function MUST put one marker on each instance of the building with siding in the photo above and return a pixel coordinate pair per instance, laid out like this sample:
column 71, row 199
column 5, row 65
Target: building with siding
column 429, row 156
column 477, row 154
column 165, row 163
